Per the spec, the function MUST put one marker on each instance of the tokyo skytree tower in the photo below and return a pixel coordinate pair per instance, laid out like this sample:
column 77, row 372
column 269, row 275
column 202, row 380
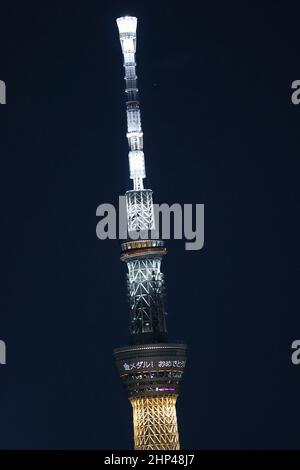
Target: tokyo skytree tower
column 151, row 367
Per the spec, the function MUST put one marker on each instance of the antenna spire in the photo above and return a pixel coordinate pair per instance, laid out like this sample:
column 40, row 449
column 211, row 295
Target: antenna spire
column 127, row 31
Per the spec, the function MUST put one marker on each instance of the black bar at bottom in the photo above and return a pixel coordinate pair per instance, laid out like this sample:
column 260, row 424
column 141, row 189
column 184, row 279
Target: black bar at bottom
column 134, row 459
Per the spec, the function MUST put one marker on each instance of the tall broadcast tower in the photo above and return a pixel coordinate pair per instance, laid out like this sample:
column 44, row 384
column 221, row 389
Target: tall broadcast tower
column 151, row 368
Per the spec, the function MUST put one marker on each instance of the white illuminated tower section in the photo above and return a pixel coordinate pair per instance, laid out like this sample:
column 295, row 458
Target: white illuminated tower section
column 151, row 367
column 139, row 201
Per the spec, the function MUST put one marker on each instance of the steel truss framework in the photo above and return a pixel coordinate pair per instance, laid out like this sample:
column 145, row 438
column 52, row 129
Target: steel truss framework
column 146, row 291
column 140, row 215
column 155, row 423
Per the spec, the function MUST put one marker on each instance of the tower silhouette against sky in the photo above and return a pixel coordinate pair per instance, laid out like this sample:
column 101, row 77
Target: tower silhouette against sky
column 151, row 368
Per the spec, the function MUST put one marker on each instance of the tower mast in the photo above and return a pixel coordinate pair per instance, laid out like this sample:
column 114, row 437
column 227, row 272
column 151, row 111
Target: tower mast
column 127, row 31
column 151, row 368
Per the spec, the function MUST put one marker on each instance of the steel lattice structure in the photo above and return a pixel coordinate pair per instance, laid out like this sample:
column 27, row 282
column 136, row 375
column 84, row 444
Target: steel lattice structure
column 152, row 367
column 146, row 290
column 155, row 423
column 139, row 205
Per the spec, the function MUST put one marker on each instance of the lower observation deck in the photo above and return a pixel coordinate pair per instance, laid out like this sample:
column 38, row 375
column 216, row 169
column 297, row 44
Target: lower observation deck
column 151, row 369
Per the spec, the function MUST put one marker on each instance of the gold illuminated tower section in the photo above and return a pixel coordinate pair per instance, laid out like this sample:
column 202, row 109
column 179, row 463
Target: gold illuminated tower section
column 155, row 423
column 151, row 367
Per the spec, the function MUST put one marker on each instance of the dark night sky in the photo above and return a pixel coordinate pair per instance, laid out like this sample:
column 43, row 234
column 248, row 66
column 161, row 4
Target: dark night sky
column 220, row 129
